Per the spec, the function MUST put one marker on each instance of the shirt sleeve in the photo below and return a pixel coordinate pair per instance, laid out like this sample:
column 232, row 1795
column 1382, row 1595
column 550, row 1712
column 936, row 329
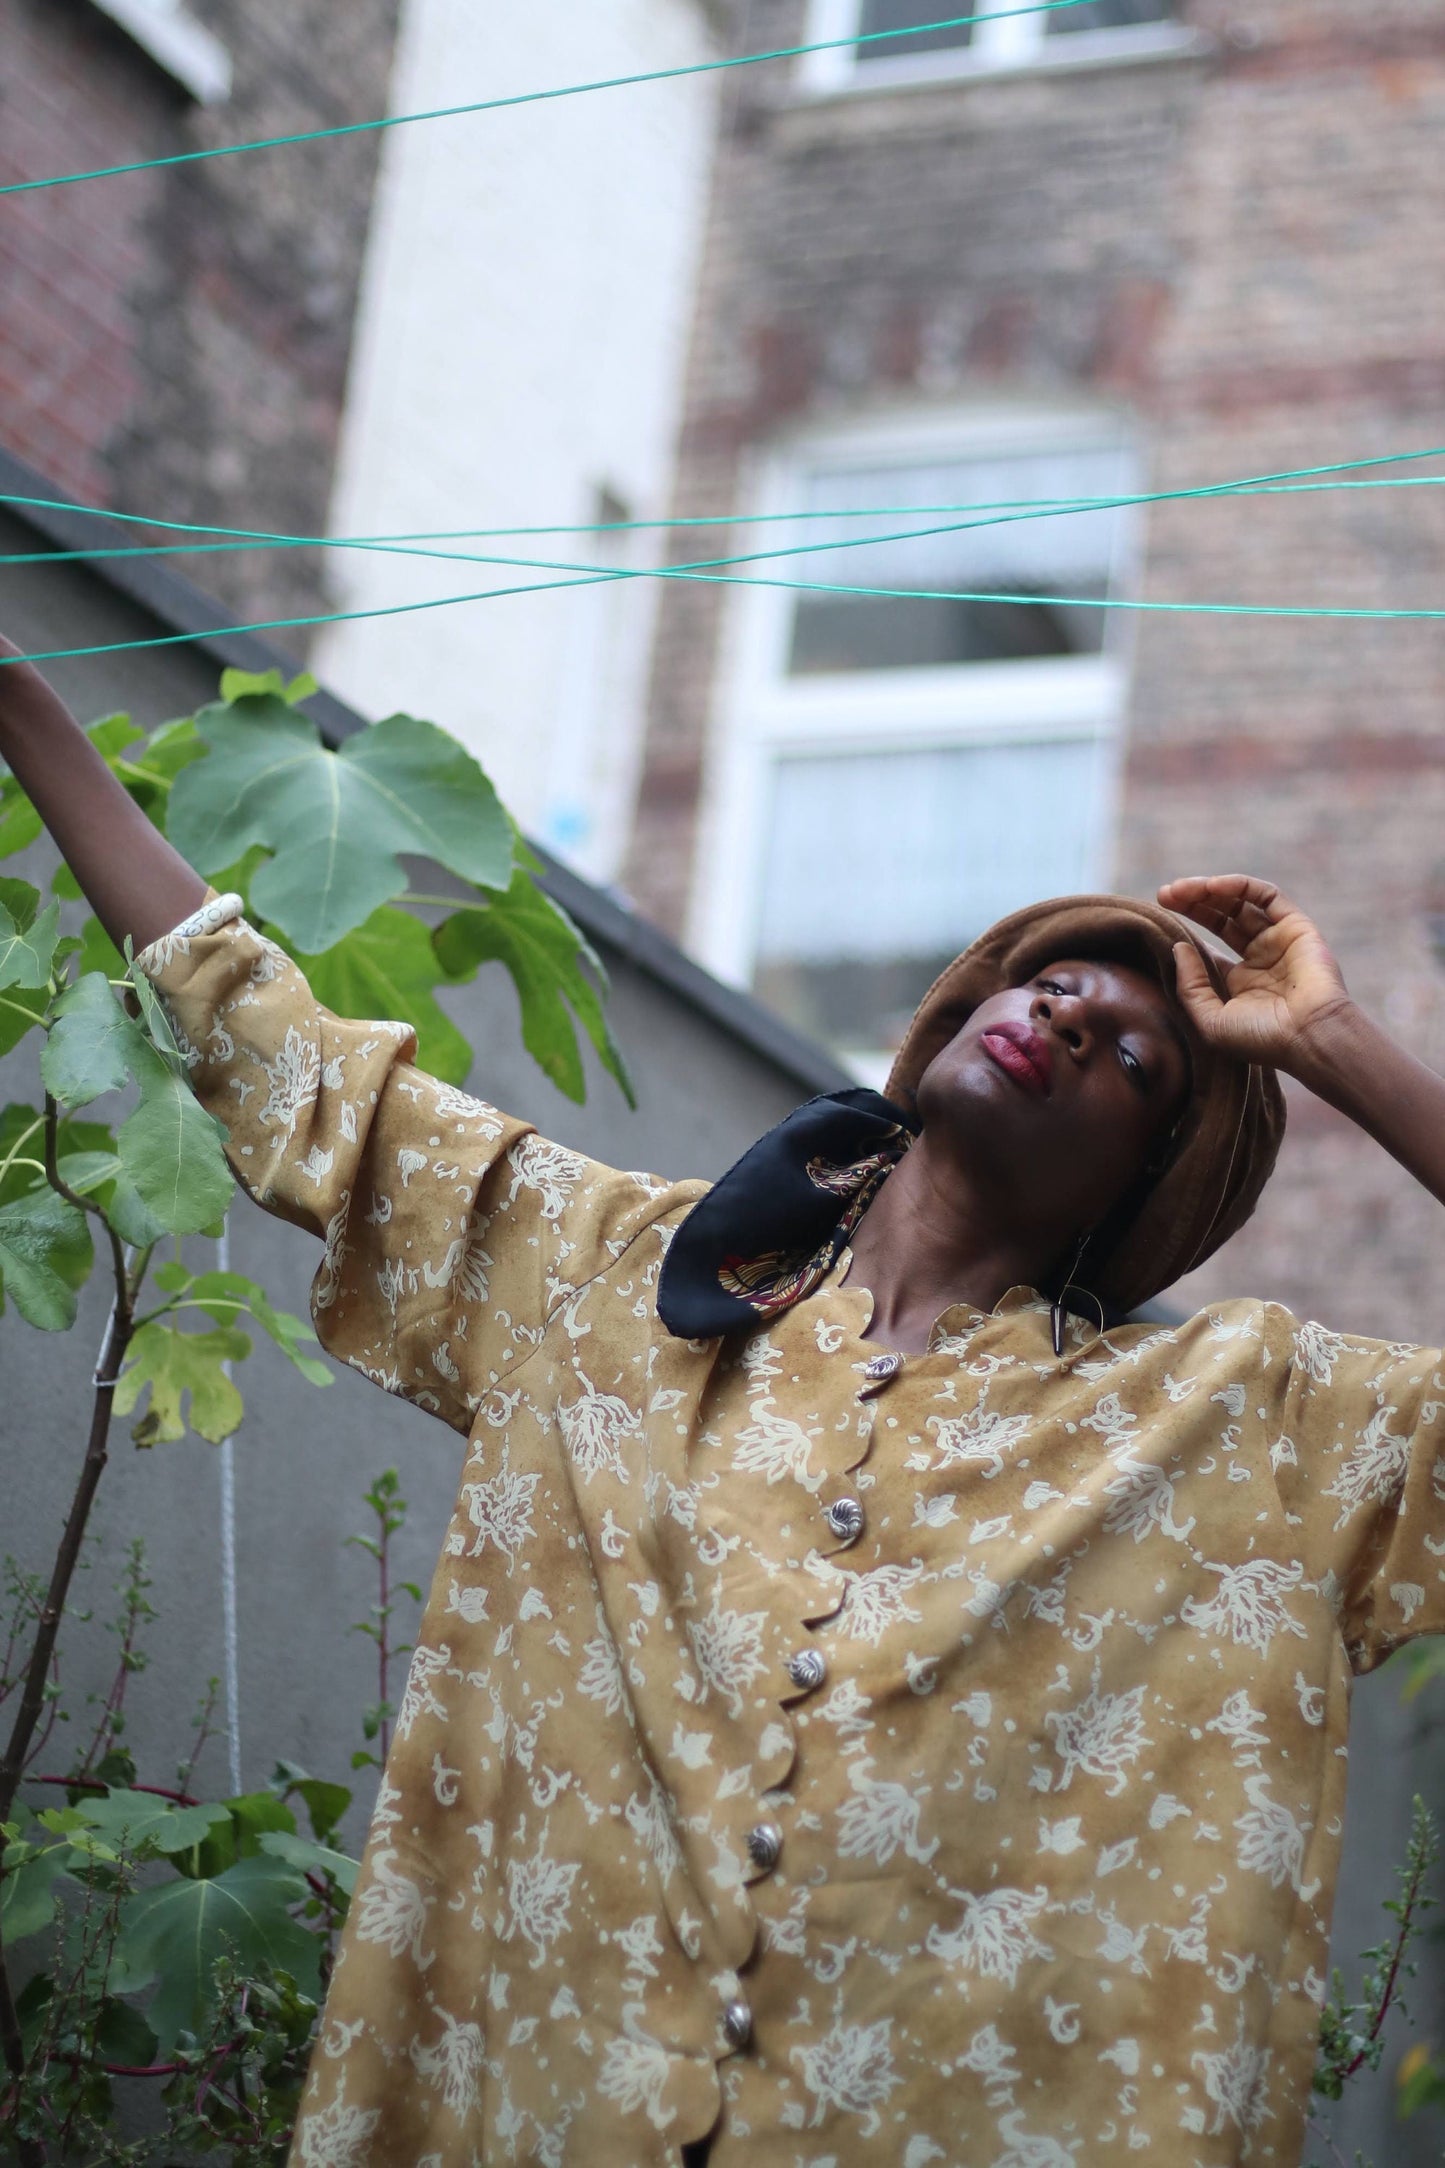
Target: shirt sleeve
column 451, row 1230
column 1359, row 1461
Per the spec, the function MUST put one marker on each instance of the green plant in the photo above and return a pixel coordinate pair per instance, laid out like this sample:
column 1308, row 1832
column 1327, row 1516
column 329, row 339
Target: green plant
column 388, row 1511
column 311, row 838
column 176, row 1944
column 1352, row 2033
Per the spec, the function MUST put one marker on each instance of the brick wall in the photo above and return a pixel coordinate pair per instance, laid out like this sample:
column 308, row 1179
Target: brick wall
column 1248, row 250
column 177, row 342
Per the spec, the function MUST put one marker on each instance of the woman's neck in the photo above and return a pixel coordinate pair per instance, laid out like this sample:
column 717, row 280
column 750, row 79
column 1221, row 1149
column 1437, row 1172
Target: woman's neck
column 930, row 1239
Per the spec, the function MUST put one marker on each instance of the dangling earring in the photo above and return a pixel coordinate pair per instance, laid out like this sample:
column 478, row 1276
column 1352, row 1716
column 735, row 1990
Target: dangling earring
column 1056, row 1310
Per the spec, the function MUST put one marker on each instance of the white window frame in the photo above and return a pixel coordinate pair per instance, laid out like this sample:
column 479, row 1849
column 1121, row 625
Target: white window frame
column 190, row 53
column 761, row 714
column 1010, row 43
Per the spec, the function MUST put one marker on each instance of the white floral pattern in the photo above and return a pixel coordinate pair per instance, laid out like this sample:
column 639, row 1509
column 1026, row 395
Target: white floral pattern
column 995, row 1935
column 1102, row 1736
column 539, row 1900
column 850, row 2068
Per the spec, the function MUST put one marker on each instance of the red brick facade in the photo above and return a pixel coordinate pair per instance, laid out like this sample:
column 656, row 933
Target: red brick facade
column 177, row 342
column 1248, row 248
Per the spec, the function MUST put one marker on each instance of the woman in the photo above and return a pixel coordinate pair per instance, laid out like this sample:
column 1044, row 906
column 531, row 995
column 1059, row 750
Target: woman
column 866, row 1710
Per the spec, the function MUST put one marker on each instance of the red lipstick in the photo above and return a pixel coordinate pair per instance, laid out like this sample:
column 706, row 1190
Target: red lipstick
column 1023, row 1053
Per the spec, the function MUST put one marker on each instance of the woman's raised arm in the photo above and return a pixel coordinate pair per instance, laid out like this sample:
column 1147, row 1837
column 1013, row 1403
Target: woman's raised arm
column 135, row 883
column 1287, row 1004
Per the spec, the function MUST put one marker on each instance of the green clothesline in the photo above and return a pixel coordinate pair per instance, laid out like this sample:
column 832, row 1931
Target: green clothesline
column 532, row 97
column 713, row 571
column 597, row 575
column 1288, row 482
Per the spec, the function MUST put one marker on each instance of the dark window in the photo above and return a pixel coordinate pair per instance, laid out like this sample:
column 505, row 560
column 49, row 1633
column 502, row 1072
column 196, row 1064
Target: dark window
column 879, row 632
column 1106, row 15
column 878, row 16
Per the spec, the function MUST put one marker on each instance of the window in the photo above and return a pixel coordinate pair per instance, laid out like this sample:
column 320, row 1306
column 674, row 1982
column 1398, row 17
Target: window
column 189, row 52
column 898, row 50
column 892, row 773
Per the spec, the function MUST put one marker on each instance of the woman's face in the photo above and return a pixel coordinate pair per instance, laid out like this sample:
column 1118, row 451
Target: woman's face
column 1064, row 1087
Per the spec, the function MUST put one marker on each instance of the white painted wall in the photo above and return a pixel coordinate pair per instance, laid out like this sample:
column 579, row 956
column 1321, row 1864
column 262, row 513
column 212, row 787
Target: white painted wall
column 525, row 310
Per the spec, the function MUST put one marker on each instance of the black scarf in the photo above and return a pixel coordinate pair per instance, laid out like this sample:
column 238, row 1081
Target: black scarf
column 774, row 1226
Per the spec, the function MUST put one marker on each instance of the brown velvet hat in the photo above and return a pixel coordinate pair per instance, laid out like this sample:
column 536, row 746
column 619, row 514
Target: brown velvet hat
column 1231, row 1129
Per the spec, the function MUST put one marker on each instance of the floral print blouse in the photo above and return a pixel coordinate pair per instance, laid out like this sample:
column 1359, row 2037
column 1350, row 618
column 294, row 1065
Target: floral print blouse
column 872, row 1758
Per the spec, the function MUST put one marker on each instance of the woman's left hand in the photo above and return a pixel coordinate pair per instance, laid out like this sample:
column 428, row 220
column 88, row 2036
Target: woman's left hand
column 1286, row 984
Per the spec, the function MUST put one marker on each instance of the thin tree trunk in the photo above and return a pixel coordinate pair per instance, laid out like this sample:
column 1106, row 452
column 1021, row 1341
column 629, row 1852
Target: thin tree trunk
column 29, row 2152
column 32, row 1699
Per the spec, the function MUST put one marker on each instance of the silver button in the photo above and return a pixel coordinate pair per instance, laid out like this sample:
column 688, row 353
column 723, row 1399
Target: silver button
column 807, row 1670
column 765, row 1845
column 845, row 1518
column 737, row 2024
column 879, row 1367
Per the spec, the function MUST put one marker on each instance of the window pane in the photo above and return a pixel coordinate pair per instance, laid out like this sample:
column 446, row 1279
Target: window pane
column 993, row 552
column 1106, row 15
column 877, row 16
column 843, row 632
column 879, row 867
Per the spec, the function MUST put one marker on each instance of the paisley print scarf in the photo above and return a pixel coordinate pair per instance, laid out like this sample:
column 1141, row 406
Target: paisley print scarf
column 773, row 1227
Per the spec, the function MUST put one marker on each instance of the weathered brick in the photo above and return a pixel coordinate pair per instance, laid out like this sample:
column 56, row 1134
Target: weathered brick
column 178, row 341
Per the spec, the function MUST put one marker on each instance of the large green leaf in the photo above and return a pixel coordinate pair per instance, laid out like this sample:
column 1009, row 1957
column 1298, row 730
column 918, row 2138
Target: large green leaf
column 142, row 1822
column 123, row 2036
column 388, row 967
column 545, row 952
column 20, row 1011
column 312, row 1858
column 172, row 1153
column 172, row 1175
column 20, row 824
column 335, row 822
column 29, row 1891
column 325, row 1803
column 177, row 1933
column 45, row 1256
column 181, row 1367
column 114, row 735
column 93, row 1046
column 249, row 1816
column 254, row 1817
column 241, row 684
column 21, row 900
column 149, row 774
column 27, row 952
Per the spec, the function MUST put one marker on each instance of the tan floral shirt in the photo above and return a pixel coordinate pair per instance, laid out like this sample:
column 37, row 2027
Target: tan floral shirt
column 910, row 1760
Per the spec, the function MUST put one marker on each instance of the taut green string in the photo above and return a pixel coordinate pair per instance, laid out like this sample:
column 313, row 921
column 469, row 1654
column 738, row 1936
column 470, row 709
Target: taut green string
column 529, row 97
column 1287, row 482
column 600, row 575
